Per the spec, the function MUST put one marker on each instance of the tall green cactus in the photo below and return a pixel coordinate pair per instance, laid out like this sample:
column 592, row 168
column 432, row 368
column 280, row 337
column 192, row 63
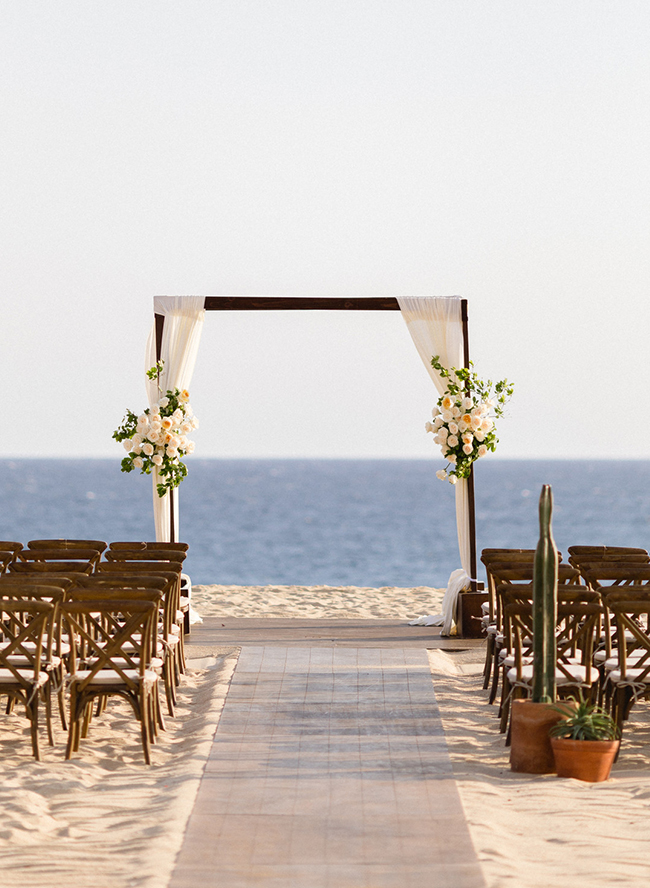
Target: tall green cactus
column 544, row 604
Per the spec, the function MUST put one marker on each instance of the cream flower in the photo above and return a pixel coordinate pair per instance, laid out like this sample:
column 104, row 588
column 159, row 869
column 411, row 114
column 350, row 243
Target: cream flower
column 452, row 479
column 467, row 404
column 452, row 441
column 157, row 459
column 147, row 449
column 453, row 428
column 447, row 403
column 451, row 457
column 443, row 431
column 154, row 436
column 467, row 449
column 190, row 447
column 486, row 425
column 184, row 396
column 482, row 450
column 435, row 412
column 163, row 402
column 429, row 427
column 167, row 423
column 441, row 474
column 447, row 416
column 456, row 412
column 128, row 444
column 467, row 438
column 480, row 436
column 137, row 462
column 476, row 421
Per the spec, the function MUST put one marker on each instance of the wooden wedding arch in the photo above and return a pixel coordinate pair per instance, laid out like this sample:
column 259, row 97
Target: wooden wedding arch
column 295, row 303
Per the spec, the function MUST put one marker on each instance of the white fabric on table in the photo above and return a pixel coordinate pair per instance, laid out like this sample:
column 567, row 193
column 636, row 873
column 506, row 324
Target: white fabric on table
column 180, row 345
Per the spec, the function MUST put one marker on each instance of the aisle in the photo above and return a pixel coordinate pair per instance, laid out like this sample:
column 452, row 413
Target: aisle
column 329, row 769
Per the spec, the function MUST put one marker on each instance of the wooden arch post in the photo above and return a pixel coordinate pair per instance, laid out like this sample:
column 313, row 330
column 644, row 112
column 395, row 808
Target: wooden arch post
column 292, row 303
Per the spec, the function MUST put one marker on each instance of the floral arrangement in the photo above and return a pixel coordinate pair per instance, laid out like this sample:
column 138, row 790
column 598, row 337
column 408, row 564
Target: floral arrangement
column 463, row 421
column 158, row 438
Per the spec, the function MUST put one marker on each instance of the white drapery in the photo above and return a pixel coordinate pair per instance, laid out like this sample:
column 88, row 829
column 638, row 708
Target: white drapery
column 436, row 327
column 180, row 345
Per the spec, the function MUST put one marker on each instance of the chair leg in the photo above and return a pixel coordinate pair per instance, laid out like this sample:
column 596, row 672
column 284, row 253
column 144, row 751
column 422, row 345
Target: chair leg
column 32, row 714
column 487, row 669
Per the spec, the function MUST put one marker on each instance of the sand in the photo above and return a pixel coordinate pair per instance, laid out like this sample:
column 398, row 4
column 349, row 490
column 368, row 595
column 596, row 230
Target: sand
column 313, row 602
column 106, row 820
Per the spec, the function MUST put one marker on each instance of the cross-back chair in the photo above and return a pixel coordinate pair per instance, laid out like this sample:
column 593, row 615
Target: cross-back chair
column 111, row 643
column 27, row 625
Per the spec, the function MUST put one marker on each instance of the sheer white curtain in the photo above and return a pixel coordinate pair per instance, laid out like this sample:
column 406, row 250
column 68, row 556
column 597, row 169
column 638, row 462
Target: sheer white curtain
column 436, row 328
column 180, row 345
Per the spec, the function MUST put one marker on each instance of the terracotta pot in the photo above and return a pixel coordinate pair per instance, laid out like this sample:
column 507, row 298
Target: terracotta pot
column 530, row 745
column 589, row 760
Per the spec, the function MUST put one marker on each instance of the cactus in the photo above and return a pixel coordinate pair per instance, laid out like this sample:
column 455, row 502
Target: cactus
column 544, row 604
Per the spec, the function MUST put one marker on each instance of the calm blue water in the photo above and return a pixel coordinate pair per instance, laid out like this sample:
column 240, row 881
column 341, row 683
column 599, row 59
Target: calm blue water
column 335, row 522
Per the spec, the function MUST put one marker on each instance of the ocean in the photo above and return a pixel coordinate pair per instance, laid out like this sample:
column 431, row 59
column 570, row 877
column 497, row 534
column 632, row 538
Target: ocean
column 333, row 522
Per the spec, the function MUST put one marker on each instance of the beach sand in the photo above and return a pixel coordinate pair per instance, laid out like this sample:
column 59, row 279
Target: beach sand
column 106, row 820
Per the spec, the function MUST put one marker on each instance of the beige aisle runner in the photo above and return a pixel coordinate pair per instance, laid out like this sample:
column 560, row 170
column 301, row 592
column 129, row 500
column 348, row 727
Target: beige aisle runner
column 329, row 769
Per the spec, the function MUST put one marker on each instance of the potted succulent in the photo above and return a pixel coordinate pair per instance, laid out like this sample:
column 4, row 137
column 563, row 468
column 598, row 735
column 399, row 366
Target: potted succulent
column 585, row 742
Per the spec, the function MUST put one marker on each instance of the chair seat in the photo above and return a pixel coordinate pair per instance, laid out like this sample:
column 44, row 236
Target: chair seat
column 7, row 678
column 583, row 675
column 631, row 675
column 108, row 677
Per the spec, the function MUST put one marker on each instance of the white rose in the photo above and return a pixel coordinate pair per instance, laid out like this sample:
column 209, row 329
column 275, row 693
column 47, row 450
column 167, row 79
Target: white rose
column 451, row 457
column 163, row 402
column 137, row 449
column 147, row 449
column 462, row 425
column 128, row 444
column 184, row 396
column 447, row 416
column 452, row 441
column 167, row 423
column 157, row 459
column 154, row 435
column 443, row 431
column 429, row 427
column 447, row 403
column 453, row 428
column 137, row 439
column 467, row 449
column 467, row 438
column 172, row 452
column 189, row 448
column 177, row 416
column 486, row 425
column 480, row 436
column 467, row 404
column 482, row 450
column 156, row 423
column 137, row 462
column 452, row 479
column 435, row 412
column 438, row 440
column 195, row 422
column 441, row 474
column 476, row 421
column 456, row 412
column 143, row 419
column 186, row 427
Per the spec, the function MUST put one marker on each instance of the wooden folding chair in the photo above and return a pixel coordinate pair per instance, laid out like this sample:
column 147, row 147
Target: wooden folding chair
column 111, row 643
column 25, row 624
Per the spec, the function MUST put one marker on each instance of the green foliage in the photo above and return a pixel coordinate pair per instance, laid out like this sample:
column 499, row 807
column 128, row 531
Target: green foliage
column 157, row 438
column 464, row 417
column 586, row 722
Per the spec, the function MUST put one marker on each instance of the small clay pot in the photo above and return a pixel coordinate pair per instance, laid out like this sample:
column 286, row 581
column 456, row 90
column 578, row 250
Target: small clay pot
column 588, row 760
column 530, row 744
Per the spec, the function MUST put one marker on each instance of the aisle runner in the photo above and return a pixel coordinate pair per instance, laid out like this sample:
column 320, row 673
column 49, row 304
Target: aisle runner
column 329, row 769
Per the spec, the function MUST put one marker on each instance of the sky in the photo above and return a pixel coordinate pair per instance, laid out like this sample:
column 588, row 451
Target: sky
column 492, row 149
